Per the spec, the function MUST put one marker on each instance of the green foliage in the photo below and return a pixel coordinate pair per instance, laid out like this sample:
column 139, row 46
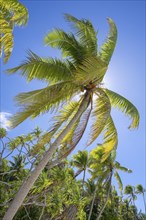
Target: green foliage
column 79, row 73
column 12, row 13
column 125, row 106
column 108, row 47
column 58, row 193
column 3, row 132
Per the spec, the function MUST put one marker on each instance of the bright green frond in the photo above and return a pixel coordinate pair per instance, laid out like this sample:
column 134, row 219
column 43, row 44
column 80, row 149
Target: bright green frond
column 6, row 38
column 110, row 138
column 118, row 178
column 12, row 13
column 50, row 69
column 68, row 44
column 18, row 12
column 91, row 69
column 65, row 115
column 40, row 101
column 76, row 132
column 101, row 112
column 125, row 106
column 108, row 47
column 85, row 32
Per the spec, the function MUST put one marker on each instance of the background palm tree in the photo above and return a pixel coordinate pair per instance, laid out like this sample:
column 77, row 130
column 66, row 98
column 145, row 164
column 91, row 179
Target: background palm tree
column 12, row 13
column 130, row 190
column 80, row 161
column 141, row 190
column 80, row 73
column 103, row 172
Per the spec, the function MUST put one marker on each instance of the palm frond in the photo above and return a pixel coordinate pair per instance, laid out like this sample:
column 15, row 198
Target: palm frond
column 108, row 47
column 91, row 69
column 119, row 167
column 40, row 101
column 80, row 159
column 110, row 138
column 101, row 112
column 125, row 106
column 6, row 38
column 118, row 178
column 74, row 136
column 12, row 13
column 65, row 115
column 49, row 69
column 85, row 32
column 68, row 44
column 81, row 126
column 17, row 11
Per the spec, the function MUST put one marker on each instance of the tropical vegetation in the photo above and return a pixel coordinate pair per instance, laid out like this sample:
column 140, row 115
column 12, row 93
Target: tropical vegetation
column 12, row 13
column 59, row 192
column 75, row 91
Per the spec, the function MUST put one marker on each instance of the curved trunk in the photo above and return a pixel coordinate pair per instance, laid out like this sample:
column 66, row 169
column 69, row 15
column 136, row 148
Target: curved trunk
column 28, row 183
column 101, row 211
column 92, row 204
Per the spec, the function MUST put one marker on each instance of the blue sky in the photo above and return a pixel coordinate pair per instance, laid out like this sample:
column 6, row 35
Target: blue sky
column 126, row 72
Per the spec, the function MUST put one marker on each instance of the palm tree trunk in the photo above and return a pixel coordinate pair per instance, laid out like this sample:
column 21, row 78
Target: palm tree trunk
column 101, row 211
column 144, row 202
column 84, row 173
column 92, row 204
column 28, row 183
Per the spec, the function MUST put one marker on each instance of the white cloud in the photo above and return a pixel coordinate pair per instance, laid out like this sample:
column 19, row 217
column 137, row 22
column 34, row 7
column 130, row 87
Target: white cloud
column 4, row 120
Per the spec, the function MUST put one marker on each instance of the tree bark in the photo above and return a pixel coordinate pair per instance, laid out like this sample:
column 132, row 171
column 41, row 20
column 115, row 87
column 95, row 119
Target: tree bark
column 101, row 211
column 28, row 183
column 84, row 173
column 92, row 204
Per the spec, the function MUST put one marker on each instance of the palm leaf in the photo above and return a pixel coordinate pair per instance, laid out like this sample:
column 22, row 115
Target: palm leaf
column 66, row 114
column 91, row 69
column 6, row 38
column 118, row 178
column 119, row 167
column 108, row 47
column 12, row 13
column 110, row 138
column 17, row 11
column 125, row 106
column 85, row 32
column 40, row 101
column 67, row 43
column 50, row 69
column 101, row 112
column 74, row 136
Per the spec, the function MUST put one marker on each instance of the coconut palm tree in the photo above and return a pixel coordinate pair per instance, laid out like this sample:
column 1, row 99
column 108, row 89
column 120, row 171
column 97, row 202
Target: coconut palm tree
column 130, row 190
column 80, row 161
column 80, row 72
column 12, row 13
column 104, row 172
column 141, row 190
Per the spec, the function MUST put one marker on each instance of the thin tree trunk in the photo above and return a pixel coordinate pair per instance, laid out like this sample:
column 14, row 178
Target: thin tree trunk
column 135, row 218
column 28, row 183
column 101, row 211
column 144, row 202
column 92, row 204
column 84, row 173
